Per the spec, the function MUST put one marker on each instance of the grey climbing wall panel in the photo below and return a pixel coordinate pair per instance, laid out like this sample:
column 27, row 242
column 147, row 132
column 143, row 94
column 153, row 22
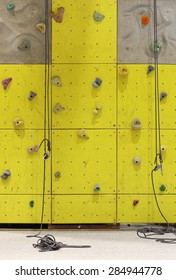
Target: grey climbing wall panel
column 20, row 40
column 135, row 39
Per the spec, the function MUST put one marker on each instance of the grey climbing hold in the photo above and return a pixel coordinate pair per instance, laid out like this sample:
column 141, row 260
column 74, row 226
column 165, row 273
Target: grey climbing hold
column 137, row 160
column 56, row 81
column 136, row 124
column 10, row 6
column 32, row 95
column 97, row 16
column 6, row 174
column 24, row 46
column 97, row 83
column 163, row 95
column 58, row 108
column 57, row 175
column 150, row 69
column 97, row 188
column 156, row 46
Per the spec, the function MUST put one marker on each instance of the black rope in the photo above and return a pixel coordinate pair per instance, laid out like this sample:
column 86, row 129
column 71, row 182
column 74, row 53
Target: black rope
column 49, row 243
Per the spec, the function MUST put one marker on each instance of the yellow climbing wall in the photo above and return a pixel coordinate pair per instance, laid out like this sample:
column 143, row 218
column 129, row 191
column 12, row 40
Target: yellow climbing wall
column 93, row 179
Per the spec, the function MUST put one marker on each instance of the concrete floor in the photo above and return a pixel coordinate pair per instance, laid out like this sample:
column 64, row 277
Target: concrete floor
column 105, row 245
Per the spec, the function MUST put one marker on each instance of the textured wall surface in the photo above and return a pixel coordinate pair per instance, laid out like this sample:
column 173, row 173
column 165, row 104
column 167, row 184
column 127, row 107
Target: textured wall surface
column 134, row 38
column 17, row 26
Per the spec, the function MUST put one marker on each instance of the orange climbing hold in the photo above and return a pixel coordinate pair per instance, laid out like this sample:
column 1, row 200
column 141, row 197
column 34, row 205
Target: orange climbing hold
column 145, row 20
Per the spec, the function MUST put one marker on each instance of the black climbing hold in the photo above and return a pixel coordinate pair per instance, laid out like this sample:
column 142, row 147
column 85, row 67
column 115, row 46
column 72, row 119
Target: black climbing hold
column 31, row 203
column 150, row 69
column 32, row 95
column 57, row 175
column 25, row 45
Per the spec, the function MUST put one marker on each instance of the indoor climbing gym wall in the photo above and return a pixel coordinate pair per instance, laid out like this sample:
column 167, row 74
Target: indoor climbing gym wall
column 88, row 115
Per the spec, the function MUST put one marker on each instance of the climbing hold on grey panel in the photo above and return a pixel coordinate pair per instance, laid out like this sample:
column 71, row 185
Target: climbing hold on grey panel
column 24, row 46
column 58, row 17
column 135, row 202
column 97, row 82
column 123, row 71
column 34, row 149
column 57, row 175
column 32, row 95
column 162, row 188
column 136, row 124
column 99, row 106
column 97, row 188
column 150, row 69
column 10, row 6
column 58, row 108
column 97, row 16
column 6, row 82
column 145, row 20
column 56, row 81
column 18, row 122
column 82, row 134
column 6, row 174
column 156, row 46
column 163, row 95
column 41, row 27
column 31, row 203
column 137, row 160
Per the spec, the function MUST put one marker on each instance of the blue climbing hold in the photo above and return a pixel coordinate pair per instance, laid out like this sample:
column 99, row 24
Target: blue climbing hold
column 150, row 69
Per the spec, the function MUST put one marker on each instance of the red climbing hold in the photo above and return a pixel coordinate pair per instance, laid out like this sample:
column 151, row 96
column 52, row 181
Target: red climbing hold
column 6, row 82
column 145, row 20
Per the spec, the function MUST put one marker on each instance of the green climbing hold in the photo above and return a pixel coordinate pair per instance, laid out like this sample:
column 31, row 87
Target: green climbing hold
column 162, row 188
column 98, row 17
column 10, row 6
column 31, row 203
column 156, row 46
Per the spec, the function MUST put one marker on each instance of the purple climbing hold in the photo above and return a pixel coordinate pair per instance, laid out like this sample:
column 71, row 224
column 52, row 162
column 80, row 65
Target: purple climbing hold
column 6, row 82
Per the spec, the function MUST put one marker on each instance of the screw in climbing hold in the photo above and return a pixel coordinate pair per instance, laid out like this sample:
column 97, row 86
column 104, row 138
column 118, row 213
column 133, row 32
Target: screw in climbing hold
column 56, row 81
column 97, row 188
column 135, row 202
column 97, row 83
column 98, row 108
column 6, row 174
column 123, row 71
column 163, row 95
column 41, row 27
column 145, row 20
column 18, row 122
column 97, row 16
column 6, row 82
column 162, row 188
column 31, row 203
column 136, row 124
column 137, row 160
column 10, row 6
column 32, row 95
column 24, row 46
column 58, row 108
column 82, row 134
column 58, row 17
column 156, row 46
column 57, row 175
column 150, row 69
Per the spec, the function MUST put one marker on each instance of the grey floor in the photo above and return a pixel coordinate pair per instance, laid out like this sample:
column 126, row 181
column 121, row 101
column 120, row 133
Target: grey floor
column 105, row 245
